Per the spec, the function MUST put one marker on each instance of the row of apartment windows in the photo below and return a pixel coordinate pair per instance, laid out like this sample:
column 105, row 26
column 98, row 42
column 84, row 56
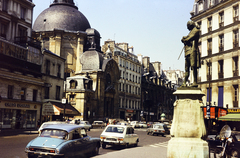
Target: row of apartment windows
column 235, row 97
column 129, row 104
column 130, row 77
column 22, row 93
column 221, row 19
column 47, row 71
column 221, row 68
column 129, row 89
column 130, row 66
column 221, row 42
column 57, row 95
column 5, row 5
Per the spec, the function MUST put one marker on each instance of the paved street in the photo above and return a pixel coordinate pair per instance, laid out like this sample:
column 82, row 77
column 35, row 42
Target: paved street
column 148, row 145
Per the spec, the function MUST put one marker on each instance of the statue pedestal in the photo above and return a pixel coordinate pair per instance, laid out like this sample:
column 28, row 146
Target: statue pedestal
column 188, row 126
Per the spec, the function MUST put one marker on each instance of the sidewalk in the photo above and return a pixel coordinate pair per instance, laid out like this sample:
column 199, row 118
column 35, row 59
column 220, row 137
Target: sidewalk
column 138, row 152
column 14, row 132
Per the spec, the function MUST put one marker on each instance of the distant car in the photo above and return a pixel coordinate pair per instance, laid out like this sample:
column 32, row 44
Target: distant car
column 62, row 140
column 86, row 125
column 45, row 124
column 157, row 129
column 134, row 124
column 142, row 125
column 149, row 124
column 97, row 124
column 119, row 135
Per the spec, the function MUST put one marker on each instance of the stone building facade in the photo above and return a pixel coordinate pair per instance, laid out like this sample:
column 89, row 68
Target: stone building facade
column 20, row 68
column 156, row 92
column 129, row 86
column 91, row 78
column 219, row 47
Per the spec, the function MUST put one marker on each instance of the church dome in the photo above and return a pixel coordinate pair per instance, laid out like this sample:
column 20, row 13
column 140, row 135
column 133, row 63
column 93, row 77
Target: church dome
column 61, row 15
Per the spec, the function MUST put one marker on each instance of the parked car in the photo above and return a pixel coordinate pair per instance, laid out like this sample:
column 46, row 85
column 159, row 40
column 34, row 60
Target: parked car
column 142, row 125
column 156, row 129
column 97, row 124
column 62, row 140
column 149, row 124
column 86, row 125
column 119, row 135
column 45, row 124
column 134, row 124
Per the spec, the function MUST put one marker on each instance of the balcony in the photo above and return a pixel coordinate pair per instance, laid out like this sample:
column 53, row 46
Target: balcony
column 235, row 44
column 220, row 75
column 209, row 29
column 209, row 52
column 235, row 73
column 221, row 48
column 221, row 24
column 25, row 41
column 209, row 77
column 235, row 19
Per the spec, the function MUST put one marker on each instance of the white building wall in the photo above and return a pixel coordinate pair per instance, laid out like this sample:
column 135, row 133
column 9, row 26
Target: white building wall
column 204, row 47
column 215, row 43
column 228, row 12
column 215, row 23
column 228, row 71
column 228, row 39
column 215, row 70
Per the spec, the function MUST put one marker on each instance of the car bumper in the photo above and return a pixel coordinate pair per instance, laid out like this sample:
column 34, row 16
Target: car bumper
column 43, row 153
column 113, row 143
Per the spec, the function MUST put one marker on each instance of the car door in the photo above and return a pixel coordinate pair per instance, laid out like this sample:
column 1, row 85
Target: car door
column 128, row 135
column 79, row 147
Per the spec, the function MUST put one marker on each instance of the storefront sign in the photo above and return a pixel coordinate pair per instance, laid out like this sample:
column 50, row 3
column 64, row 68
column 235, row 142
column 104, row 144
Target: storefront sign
column 151, row 113
column 129, row 110
column 17, row 105
column 49, row 109
column 233, row 110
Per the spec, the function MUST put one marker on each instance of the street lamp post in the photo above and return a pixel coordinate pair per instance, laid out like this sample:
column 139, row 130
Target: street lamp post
column 64, row 103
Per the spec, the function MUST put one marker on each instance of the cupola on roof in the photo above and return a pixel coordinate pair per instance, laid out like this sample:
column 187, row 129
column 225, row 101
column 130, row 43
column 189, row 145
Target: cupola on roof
column 61, row 15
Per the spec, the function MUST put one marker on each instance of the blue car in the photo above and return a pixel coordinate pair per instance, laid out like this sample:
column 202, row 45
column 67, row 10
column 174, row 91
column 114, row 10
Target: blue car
column 63, row 141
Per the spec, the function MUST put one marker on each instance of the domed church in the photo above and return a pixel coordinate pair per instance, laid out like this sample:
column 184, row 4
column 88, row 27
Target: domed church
column 91, row 77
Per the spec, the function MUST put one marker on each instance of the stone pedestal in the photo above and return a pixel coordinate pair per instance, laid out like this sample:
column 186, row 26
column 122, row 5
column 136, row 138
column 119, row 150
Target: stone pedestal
column 188, row 128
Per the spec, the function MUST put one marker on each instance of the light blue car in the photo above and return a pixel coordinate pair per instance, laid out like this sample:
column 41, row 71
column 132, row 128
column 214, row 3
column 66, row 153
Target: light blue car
column 63, row 141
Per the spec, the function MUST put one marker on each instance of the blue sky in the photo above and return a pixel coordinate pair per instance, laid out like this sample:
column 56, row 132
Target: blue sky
column 153, row 27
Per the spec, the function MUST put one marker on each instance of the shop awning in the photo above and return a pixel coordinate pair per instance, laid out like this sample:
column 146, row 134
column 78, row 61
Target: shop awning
column 230, row 117
column 55, row 108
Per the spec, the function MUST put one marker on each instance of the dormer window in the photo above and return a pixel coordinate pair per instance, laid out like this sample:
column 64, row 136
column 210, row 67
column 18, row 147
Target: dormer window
column 73, row 84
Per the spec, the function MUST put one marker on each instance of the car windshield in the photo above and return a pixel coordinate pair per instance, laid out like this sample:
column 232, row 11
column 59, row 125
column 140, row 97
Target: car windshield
column 158, row 126
column 54, row 133
column 115, row 129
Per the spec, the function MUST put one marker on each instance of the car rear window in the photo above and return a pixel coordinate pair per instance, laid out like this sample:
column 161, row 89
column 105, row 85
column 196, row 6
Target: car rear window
column 54, row 134
column 115, row 129
column 158, row 126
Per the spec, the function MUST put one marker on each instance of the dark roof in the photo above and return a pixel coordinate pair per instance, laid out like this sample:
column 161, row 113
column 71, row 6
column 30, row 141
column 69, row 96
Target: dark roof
column 61, row 16
column 65, row 127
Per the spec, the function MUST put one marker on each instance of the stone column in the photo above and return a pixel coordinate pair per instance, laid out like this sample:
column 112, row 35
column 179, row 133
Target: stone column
column 188, row 128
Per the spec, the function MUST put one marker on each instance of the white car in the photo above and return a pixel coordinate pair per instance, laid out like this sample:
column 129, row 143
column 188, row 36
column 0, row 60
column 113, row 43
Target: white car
column 119, row 135
column 86, row 125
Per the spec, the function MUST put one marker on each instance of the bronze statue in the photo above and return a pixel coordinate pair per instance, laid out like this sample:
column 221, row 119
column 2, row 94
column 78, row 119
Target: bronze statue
column 192, row 54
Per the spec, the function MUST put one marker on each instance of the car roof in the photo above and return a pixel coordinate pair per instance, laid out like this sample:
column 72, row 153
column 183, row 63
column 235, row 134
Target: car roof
column 65, row 127
column 119, row 125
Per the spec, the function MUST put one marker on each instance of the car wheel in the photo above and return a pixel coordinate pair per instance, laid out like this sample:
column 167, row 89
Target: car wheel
column 152, row 133
column 136, row 144
column 162, row 135
column 104, row 146
column 89, row 129
column 126, row 145
column 95, row 151
column 147, row 133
